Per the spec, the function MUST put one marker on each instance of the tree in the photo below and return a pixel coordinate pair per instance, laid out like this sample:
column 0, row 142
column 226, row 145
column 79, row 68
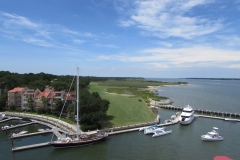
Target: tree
column 3, row 100
column 30, row 102
column 93, row 108
column 44, row 101
column 71, row 109
column 58, row 106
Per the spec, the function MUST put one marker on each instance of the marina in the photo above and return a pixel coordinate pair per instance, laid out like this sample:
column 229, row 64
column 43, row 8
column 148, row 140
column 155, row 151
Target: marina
column 135, row 144
column 110, row 131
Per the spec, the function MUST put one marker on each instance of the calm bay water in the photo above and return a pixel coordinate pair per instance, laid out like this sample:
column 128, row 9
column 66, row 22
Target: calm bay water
column 183, row 144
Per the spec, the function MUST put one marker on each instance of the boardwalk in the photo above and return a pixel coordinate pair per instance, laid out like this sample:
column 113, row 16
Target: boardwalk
column 18, row 125
column 10, row 118
column 202, row 112
column 30, row 134
column 30, row 146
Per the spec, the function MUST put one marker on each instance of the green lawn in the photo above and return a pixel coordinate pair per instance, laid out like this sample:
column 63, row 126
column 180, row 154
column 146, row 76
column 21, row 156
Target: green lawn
column 123, row 110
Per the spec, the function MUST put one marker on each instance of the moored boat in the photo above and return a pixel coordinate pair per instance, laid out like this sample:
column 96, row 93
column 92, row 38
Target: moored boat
column 152, row 130
column 18, row 132
column 79, row 139
column 212, row 136
column 230, row 119
column 187, row 115
column 143, row 128
column 161, row 133
column 2, row 116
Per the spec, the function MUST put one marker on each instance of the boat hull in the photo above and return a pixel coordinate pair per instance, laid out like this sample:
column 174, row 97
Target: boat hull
column 188, row 121
column 162, row 134
column 57, row 144
column 204, row 138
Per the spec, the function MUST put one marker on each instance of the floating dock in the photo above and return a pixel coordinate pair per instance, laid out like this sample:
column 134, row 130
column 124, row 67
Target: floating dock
column 10, row 118
column 29, row 134
column 19, row 125
column 30, row 146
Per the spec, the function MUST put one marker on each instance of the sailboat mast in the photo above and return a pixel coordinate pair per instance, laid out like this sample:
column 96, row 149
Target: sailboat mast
column 78, row 131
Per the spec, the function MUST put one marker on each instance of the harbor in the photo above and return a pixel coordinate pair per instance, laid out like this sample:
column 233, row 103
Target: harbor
column 132, row 144
column 59, row 130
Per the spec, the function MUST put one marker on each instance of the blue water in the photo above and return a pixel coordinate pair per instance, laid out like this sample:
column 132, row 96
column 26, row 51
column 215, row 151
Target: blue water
column 183, row 144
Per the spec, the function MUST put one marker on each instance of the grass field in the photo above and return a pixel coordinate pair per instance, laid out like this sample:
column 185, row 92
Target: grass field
column 123, row 110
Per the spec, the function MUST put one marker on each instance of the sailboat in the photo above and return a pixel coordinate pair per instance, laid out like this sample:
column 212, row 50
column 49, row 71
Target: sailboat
column 80, row 139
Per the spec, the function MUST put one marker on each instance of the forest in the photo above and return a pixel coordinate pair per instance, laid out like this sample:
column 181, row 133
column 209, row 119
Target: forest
column 93, row 107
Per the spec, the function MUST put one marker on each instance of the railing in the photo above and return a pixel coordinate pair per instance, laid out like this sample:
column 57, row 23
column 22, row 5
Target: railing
column 55, row 122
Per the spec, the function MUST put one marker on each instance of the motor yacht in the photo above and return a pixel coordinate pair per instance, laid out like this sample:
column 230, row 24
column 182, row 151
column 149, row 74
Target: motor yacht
column 161, row 133
column 212, row 136
column 187, row 115
column 2, row 116
column 152, row 130
column 230, row 119
column 143, row 128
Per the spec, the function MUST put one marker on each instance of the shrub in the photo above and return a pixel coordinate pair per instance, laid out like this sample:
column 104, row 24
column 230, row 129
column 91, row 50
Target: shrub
column 40, row 111
column 91, row 127
column 12, row 107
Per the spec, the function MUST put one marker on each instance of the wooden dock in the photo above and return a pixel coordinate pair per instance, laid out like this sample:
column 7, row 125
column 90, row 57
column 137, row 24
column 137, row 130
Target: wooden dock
column 19, row 125
column 29, row 134
column 30, row 146
column 208, row 113
column 10, row 118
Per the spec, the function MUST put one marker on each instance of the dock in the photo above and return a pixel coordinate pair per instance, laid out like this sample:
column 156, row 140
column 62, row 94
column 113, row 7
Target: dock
column 207, row 113
column 18, row 125
column 10, row 118
column 30, row 146
column 29, row 134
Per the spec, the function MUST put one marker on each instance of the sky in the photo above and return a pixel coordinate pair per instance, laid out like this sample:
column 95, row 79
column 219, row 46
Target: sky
column 121, row 38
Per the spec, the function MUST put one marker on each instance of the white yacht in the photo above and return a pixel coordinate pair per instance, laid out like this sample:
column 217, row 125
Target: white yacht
column 212, row 136
column 161, row 133
column 2, row 116
column 18, row 132
column 143, row 128
column 230, row 119
column 187, row 115
column 152, row 130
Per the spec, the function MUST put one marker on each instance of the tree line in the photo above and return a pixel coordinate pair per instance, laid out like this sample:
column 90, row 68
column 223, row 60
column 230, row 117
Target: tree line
column 92, row 107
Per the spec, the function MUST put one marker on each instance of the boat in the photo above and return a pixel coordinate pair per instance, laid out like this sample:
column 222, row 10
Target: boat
column 44, row 130
column 212, row 136
column 2, row 116
column 230, row 119
column 26, row 119
column 187, row 115
column 80, row 139
column 152, row 130
column 143, row 128
column 18, row 132
column 7, row 126
column 161, row 133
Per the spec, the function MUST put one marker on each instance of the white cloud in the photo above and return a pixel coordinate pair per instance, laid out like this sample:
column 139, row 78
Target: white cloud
column 197, row 56
column 13, row 20
column 107, row 45
column 169, row 18
column 78, row 41
column 237, row 66
column 231, row 40
column 163, row 43
column 38, row 42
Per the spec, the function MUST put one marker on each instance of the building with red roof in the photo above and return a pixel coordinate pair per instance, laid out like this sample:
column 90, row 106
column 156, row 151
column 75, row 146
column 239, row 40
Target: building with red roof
column 15, row 96
column 19, row 96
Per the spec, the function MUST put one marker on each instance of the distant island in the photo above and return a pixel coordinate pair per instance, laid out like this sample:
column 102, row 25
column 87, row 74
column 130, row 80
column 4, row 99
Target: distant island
column 216, row 78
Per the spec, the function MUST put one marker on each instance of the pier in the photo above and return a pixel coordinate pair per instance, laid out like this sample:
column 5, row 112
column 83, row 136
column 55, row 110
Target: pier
column 201, row 113
column 10, row 118
column 29, row 134
column 18, row 125
column 121, row 129
column 30, row 146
